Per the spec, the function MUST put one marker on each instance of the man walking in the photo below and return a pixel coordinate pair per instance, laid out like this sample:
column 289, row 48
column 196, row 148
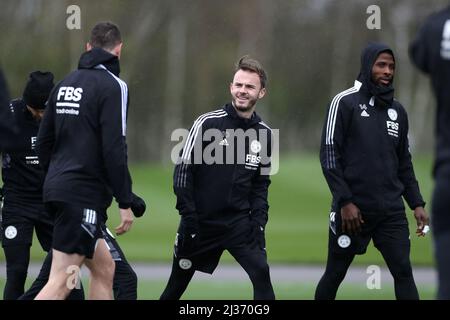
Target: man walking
column 23, row 210
column 430, row 52
column 366, row 161
column 222, row 200
column 82, row 145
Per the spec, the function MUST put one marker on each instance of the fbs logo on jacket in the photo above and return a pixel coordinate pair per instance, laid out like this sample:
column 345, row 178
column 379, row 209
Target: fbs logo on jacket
column 67, row 100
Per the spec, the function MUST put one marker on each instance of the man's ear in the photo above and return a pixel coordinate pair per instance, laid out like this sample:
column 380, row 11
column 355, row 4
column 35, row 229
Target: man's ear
column 262, row 93
column 117, row 50
column 88, row 47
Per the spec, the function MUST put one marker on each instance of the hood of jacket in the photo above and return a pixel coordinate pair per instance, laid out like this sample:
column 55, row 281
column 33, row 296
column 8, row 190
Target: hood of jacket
column 91, row 59
column 384, row 95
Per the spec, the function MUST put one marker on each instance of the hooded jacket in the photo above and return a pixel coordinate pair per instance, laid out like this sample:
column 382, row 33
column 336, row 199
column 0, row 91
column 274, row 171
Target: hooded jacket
column 364, row 151
column 8, row 129
column 82, row 138
column 430, row 52
column 220, row 193
column 21, row 173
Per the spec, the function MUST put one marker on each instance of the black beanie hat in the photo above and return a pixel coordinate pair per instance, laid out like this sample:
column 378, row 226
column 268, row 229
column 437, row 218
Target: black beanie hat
column 38, row 89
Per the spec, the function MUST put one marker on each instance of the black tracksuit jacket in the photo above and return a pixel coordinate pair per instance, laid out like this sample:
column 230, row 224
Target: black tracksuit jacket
column 430, row 52
column 221, row 194
column 364, row 151
column 21, row 173
column 8, row 129
column 81, row 141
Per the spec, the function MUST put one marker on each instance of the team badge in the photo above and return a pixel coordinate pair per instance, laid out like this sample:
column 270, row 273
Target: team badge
column 344, row 241
column 392, row 114
column 10, row 232
column 255, row 146
column 185, row 264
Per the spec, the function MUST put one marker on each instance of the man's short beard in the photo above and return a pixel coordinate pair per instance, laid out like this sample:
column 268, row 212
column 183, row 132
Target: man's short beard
column 244, row 109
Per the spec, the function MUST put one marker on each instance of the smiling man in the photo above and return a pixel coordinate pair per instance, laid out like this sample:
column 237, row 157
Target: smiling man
column 223, row 206
column 366, row 161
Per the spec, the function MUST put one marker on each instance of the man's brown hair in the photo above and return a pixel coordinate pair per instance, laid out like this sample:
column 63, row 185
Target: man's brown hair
column 249, row 64
column 105, row 35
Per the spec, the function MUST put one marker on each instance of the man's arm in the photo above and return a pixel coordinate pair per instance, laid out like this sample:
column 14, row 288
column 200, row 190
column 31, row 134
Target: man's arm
column 331, row 148
column 407, row 177
column 183, row 177
column 260, row 185
column 113, row 121
column 406, row 171
column 418, row 49
column 46, row 135
column 113, row 116
column 7, row 128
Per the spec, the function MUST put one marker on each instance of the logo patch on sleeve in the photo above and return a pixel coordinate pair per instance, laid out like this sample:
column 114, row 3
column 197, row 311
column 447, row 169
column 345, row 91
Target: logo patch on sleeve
column 10, row 232
column 344, row 241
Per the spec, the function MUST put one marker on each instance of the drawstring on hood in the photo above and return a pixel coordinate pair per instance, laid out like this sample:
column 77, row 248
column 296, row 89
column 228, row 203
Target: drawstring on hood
column 384, row 95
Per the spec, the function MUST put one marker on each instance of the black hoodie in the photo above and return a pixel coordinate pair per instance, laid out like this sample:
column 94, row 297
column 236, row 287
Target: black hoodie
column 81, row 140
column 22, row 176
column 364, row 151
column 221, row 194
column 430, row 53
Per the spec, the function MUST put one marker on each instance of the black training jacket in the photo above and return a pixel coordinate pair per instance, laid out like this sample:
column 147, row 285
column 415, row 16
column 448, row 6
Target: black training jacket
column 223, row 193
column 81, row 141
column 364, row 150
column 8, row 129
column 21, row 173
column 430, row 52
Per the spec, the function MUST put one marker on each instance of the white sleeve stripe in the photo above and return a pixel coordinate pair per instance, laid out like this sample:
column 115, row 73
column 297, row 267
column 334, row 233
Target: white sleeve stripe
column 265, row 125
column 193, row 133
column 124, row 98
column 333, row 113
column 194, row 137
column 331, row 122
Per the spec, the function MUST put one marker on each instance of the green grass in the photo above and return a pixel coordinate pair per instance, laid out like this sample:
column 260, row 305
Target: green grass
column 298, row 219
column 233, row 290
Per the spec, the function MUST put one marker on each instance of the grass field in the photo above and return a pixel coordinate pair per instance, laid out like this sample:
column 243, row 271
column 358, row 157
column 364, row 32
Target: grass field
column 297, row 229
column 233, row 290
column 297, row 232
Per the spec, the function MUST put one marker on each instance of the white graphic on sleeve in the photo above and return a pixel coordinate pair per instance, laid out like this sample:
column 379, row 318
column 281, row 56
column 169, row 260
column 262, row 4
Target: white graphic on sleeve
column 344, row 241
column 10, row 232
column 392, row 114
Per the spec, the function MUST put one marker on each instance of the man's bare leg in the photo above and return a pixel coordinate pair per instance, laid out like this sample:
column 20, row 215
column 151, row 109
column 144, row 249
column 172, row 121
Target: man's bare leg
column 101, row 267
column 58, row 287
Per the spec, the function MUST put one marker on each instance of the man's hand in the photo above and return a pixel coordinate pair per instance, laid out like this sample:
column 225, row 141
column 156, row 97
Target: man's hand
column 126, row 220
column 423, row 222
column 188, row 235
column 256, row 235
column 351, row 219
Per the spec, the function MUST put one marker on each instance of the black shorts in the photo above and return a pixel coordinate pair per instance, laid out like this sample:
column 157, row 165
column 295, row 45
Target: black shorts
column 391, row 229
column 213, row 242
column 18, row 228
column 76, row 228
column 113, row 246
